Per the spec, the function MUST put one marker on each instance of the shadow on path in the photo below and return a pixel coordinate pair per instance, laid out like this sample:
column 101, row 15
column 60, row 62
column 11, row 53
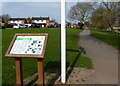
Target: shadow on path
column 53, row 67
column 80, row 51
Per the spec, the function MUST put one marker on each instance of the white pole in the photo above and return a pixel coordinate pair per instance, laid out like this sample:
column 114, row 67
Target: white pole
column 63, row 43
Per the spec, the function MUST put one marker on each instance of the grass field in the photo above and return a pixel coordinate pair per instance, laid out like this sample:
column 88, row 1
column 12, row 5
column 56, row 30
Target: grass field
column 52, row 58
column 0, row 57
column 108, row 37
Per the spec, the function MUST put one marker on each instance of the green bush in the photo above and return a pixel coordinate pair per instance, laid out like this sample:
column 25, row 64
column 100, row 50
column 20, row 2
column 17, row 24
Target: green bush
column 9, row 25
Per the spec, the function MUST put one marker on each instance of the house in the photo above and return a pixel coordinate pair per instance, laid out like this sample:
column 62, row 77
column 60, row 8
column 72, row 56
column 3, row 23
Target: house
column 0, row 23
column 43, row 21
column 75, row 25
column 68, row 24
column 52, row 23
column 17, row 21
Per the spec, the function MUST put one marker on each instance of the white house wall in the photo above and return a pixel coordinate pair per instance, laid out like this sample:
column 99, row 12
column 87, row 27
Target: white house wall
column 39, row 21
column 17, row 22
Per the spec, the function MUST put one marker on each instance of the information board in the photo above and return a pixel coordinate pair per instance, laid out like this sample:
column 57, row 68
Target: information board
column 28, row 45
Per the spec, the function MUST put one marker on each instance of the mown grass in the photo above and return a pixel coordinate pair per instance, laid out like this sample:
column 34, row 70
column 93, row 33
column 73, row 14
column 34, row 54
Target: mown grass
column 0, row 56
column 108, row 37
column 52, row 58
column 73, row 50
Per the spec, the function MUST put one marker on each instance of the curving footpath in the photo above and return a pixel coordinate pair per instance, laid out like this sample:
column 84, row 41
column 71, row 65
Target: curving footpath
column 104, row 56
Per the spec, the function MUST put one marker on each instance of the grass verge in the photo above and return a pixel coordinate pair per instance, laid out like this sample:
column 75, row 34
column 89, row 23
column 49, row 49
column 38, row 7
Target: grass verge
column 73, row 56
column 108, row 37
column 0, row 57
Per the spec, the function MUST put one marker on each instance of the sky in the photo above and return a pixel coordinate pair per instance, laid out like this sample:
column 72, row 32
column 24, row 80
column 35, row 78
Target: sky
column 36, row 9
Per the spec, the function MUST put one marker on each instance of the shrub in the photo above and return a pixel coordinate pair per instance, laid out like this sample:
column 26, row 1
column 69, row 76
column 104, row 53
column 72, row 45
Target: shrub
column 9, row 25
column 80, row 25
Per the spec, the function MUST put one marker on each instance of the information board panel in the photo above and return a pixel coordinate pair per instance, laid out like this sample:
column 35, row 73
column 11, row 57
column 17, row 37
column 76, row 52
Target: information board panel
column 28, row 45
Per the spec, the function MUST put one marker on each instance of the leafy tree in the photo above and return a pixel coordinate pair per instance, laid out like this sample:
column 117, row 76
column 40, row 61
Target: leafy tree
column 110, row 13
column 105, row 16
column 98, row 19
column 118, row 12
column 28, row 20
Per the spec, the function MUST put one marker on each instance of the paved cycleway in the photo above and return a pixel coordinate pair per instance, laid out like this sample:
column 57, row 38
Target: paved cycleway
column 104, row 57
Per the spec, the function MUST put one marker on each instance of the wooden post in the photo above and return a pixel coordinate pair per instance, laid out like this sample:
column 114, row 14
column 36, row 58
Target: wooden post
column 40, row 72
column 18, row 63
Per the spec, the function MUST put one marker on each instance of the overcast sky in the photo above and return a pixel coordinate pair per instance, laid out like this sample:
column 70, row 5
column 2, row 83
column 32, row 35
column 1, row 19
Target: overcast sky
column 30, row 9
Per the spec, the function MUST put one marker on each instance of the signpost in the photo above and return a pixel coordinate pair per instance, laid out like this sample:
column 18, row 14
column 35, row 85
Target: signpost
column 28, row 46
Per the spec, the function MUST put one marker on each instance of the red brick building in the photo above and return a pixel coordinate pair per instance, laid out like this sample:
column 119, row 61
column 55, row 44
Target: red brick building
column 75, row 25
column 17, row 21
column 43, row 21
column 68, row 24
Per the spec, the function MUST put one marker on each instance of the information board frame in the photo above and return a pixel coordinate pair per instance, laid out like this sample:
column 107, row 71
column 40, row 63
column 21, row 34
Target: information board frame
column 27, row 55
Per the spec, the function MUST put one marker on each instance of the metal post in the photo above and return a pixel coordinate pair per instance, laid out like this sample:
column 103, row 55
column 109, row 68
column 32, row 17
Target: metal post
column 63, row 43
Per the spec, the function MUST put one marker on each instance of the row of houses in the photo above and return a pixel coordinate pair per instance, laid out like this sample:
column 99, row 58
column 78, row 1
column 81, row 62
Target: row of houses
column 43, row 21
column 68, row 24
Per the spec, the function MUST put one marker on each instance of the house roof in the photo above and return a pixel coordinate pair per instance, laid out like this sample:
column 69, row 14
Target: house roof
column 40, row 18
column 17, row 19
column 51, row 21
column 75, row 24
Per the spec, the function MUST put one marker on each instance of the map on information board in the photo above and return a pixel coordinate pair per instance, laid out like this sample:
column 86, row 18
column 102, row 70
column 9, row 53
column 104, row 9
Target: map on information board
column 28, row 45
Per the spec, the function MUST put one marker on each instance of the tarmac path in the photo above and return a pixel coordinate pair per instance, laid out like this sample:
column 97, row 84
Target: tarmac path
column 104, row 57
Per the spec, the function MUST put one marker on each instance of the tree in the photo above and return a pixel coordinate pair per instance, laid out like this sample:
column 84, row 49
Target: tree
column 53, row 20
column 5, row 18
column 80, row 12
column 118, row 12
column 28, row 20
column 0, row 18
column 110, row 13
column 110, row 5
column 98, row 20
column 105, row 16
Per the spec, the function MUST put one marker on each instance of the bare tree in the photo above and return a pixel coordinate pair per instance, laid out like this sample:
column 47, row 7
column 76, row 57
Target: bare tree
column 5, row 17
column 110, row 5
column 80, row 12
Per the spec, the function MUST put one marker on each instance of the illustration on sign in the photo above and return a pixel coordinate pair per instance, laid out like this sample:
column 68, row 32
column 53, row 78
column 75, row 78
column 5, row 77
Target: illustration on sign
column 28, row 45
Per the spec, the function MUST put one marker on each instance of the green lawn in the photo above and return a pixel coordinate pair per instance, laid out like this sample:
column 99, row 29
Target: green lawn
column 72, row 50
column 0, row 56
column 108, row 37
column 52, row 58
